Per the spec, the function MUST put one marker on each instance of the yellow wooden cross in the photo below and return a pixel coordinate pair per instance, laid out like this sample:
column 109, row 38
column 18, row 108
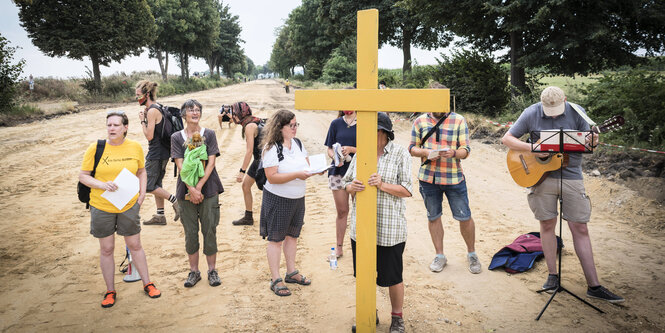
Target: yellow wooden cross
column 367, row 100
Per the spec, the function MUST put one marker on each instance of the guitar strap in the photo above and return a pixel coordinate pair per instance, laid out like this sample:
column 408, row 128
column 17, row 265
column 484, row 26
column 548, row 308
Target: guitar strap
column 583, row 115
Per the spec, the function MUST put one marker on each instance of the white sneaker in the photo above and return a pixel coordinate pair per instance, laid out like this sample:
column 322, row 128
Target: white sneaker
column 438, row 264
column 474, row 264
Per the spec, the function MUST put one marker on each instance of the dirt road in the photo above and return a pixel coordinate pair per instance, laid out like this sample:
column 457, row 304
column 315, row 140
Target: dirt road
column 49, row 263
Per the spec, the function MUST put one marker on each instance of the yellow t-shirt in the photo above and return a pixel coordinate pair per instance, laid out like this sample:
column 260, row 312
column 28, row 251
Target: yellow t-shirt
column 127, row 155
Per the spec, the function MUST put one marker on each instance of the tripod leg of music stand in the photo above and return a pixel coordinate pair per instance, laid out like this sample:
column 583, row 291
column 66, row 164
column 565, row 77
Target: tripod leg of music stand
column 583, row 301
column 548, row 303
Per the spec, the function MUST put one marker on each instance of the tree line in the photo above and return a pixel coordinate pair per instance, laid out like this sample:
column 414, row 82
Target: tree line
column 564, row 37
column 107, row 31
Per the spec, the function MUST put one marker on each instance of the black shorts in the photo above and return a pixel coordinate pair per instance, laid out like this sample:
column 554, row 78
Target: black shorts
column 226, row 118
column 156, row 169
column 251, row 171
column 389, row 265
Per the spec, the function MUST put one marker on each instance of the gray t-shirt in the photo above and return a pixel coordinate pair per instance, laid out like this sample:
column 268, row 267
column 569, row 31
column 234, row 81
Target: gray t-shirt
column 213, row 185
column 533, row 120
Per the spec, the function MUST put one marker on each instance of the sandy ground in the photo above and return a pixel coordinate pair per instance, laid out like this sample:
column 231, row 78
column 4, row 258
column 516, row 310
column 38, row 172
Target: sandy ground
column 50, row 278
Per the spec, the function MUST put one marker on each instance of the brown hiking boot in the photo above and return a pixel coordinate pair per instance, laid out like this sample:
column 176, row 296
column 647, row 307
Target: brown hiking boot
column 156, row 220
column 245, row 220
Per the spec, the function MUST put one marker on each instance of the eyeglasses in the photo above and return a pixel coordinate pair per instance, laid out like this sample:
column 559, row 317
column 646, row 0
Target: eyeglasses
column 194, row 110
column 294, row 126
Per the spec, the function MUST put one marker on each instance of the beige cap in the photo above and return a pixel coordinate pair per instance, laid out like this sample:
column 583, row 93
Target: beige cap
column 553, row 100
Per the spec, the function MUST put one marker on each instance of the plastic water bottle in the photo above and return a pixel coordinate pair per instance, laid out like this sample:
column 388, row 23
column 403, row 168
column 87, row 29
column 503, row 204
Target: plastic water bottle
column 333, row 259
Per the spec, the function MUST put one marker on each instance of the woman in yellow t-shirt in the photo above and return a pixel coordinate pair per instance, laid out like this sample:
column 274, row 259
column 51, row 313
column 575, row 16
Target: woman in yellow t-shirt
column 105, row 218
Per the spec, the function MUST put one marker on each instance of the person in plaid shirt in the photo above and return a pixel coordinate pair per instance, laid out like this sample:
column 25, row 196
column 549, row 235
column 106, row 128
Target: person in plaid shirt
column 441, row 173
column 393, row 182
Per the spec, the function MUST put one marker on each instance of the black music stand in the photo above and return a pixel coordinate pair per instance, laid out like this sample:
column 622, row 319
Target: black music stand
column 569, row 142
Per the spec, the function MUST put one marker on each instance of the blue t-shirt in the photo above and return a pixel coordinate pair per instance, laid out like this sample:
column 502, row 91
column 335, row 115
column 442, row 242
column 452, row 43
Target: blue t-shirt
column 533, row 120
column 345, row 135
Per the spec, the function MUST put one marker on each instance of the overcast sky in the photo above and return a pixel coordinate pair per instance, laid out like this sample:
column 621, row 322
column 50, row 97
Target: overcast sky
column 258, row 19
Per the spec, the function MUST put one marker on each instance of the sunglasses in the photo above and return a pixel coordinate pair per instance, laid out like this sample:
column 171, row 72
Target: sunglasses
column 115, row 113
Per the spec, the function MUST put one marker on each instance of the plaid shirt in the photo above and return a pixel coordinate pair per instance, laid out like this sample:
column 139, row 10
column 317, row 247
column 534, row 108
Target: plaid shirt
column 453, row 133
column 394, row 166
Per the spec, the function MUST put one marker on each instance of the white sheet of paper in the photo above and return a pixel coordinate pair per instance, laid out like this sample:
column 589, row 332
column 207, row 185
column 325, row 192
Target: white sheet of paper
column 128, row 186
column 434, row 153
column 317, row 163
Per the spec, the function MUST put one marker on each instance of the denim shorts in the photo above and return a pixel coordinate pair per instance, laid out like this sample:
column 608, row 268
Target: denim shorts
column 458, row 200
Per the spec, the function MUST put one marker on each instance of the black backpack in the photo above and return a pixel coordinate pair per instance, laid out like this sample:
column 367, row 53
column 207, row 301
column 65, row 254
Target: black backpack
column 261, row 173
column 82, row 189
column 171, row 123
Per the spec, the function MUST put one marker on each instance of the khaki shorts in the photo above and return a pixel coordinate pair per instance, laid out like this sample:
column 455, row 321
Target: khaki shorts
column 335, row 182
column 544, row 200
column 103, row 224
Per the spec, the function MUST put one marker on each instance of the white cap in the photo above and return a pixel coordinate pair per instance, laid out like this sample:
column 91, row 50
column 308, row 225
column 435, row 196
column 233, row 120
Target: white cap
column 553, row 100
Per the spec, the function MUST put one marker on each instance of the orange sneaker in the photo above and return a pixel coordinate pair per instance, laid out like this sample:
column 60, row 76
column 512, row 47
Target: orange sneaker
column 151, row 290
column 109, row 299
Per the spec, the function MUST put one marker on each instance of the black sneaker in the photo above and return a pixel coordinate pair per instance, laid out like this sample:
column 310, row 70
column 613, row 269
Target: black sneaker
column 604, row 294
column 551, row 284
column 245, row 220
column 192, row 279
column 213, row 278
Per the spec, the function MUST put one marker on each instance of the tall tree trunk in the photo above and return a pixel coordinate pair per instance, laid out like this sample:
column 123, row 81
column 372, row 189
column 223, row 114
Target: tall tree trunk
column 96, row 74
column 183, row 67
column 406, row 50
column 162, row 68
column 517, row 77
column 166, row 66
column 211, row 64
column 187, row 65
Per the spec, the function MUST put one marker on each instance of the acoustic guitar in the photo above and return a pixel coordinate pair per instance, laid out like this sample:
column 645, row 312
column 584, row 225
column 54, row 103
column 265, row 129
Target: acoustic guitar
column 529, row 170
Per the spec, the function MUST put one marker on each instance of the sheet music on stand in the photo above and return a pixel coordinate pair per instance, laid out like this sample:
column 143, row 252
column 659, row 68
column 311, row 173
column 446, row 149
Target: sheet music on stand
column 562, row 141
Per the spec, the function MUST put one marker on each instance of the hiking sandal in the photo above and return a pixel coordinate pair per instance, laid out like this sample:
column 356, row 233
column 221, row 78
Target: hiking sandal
column 151, row 291
column 303, row 280
column 277, row 290
column 109, row 299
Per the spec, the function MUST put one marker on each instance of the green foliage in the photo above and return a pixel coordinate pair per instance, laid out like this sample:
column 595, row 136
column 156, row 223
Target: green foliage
column 566, row 36
column 105, row 31
column 9, row 75
column 637, row 95
column 282, row 59
column 339, row 69
column 419, row 76
column 479, row 84
column 399, row 26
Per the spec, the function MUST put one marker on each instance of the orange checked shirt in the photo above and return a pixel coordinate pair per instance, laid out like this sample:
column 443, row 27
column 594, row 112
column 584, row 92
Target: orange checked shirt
column 453, row 134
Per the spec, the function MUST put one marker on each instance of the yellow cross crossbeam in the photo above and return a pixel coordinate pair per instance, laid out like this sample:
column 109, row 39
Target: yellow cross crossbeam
column 389, row 100
column 368, row 100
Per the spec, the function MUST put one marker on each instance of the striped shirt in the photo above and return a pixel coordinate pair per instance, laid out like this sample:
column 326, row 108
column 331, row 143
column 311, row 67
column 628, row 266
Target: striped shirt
column 454, row 134
column 394, row 166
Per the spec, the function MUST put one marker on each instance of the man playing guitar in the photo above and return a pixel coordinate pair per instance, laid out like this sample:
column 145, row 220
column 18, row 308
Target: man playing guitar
column 554, row 112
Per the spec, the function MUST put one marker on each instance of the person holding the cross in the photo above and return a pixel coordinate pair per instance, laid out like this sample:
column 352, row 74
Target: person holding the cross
column 393, row 183
column 441, row 140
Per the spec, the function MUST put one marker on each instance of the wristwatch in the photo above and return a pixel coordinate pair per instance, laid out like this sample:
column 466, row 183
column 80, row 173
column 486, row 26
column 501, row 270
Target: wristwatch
column 243, row 171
